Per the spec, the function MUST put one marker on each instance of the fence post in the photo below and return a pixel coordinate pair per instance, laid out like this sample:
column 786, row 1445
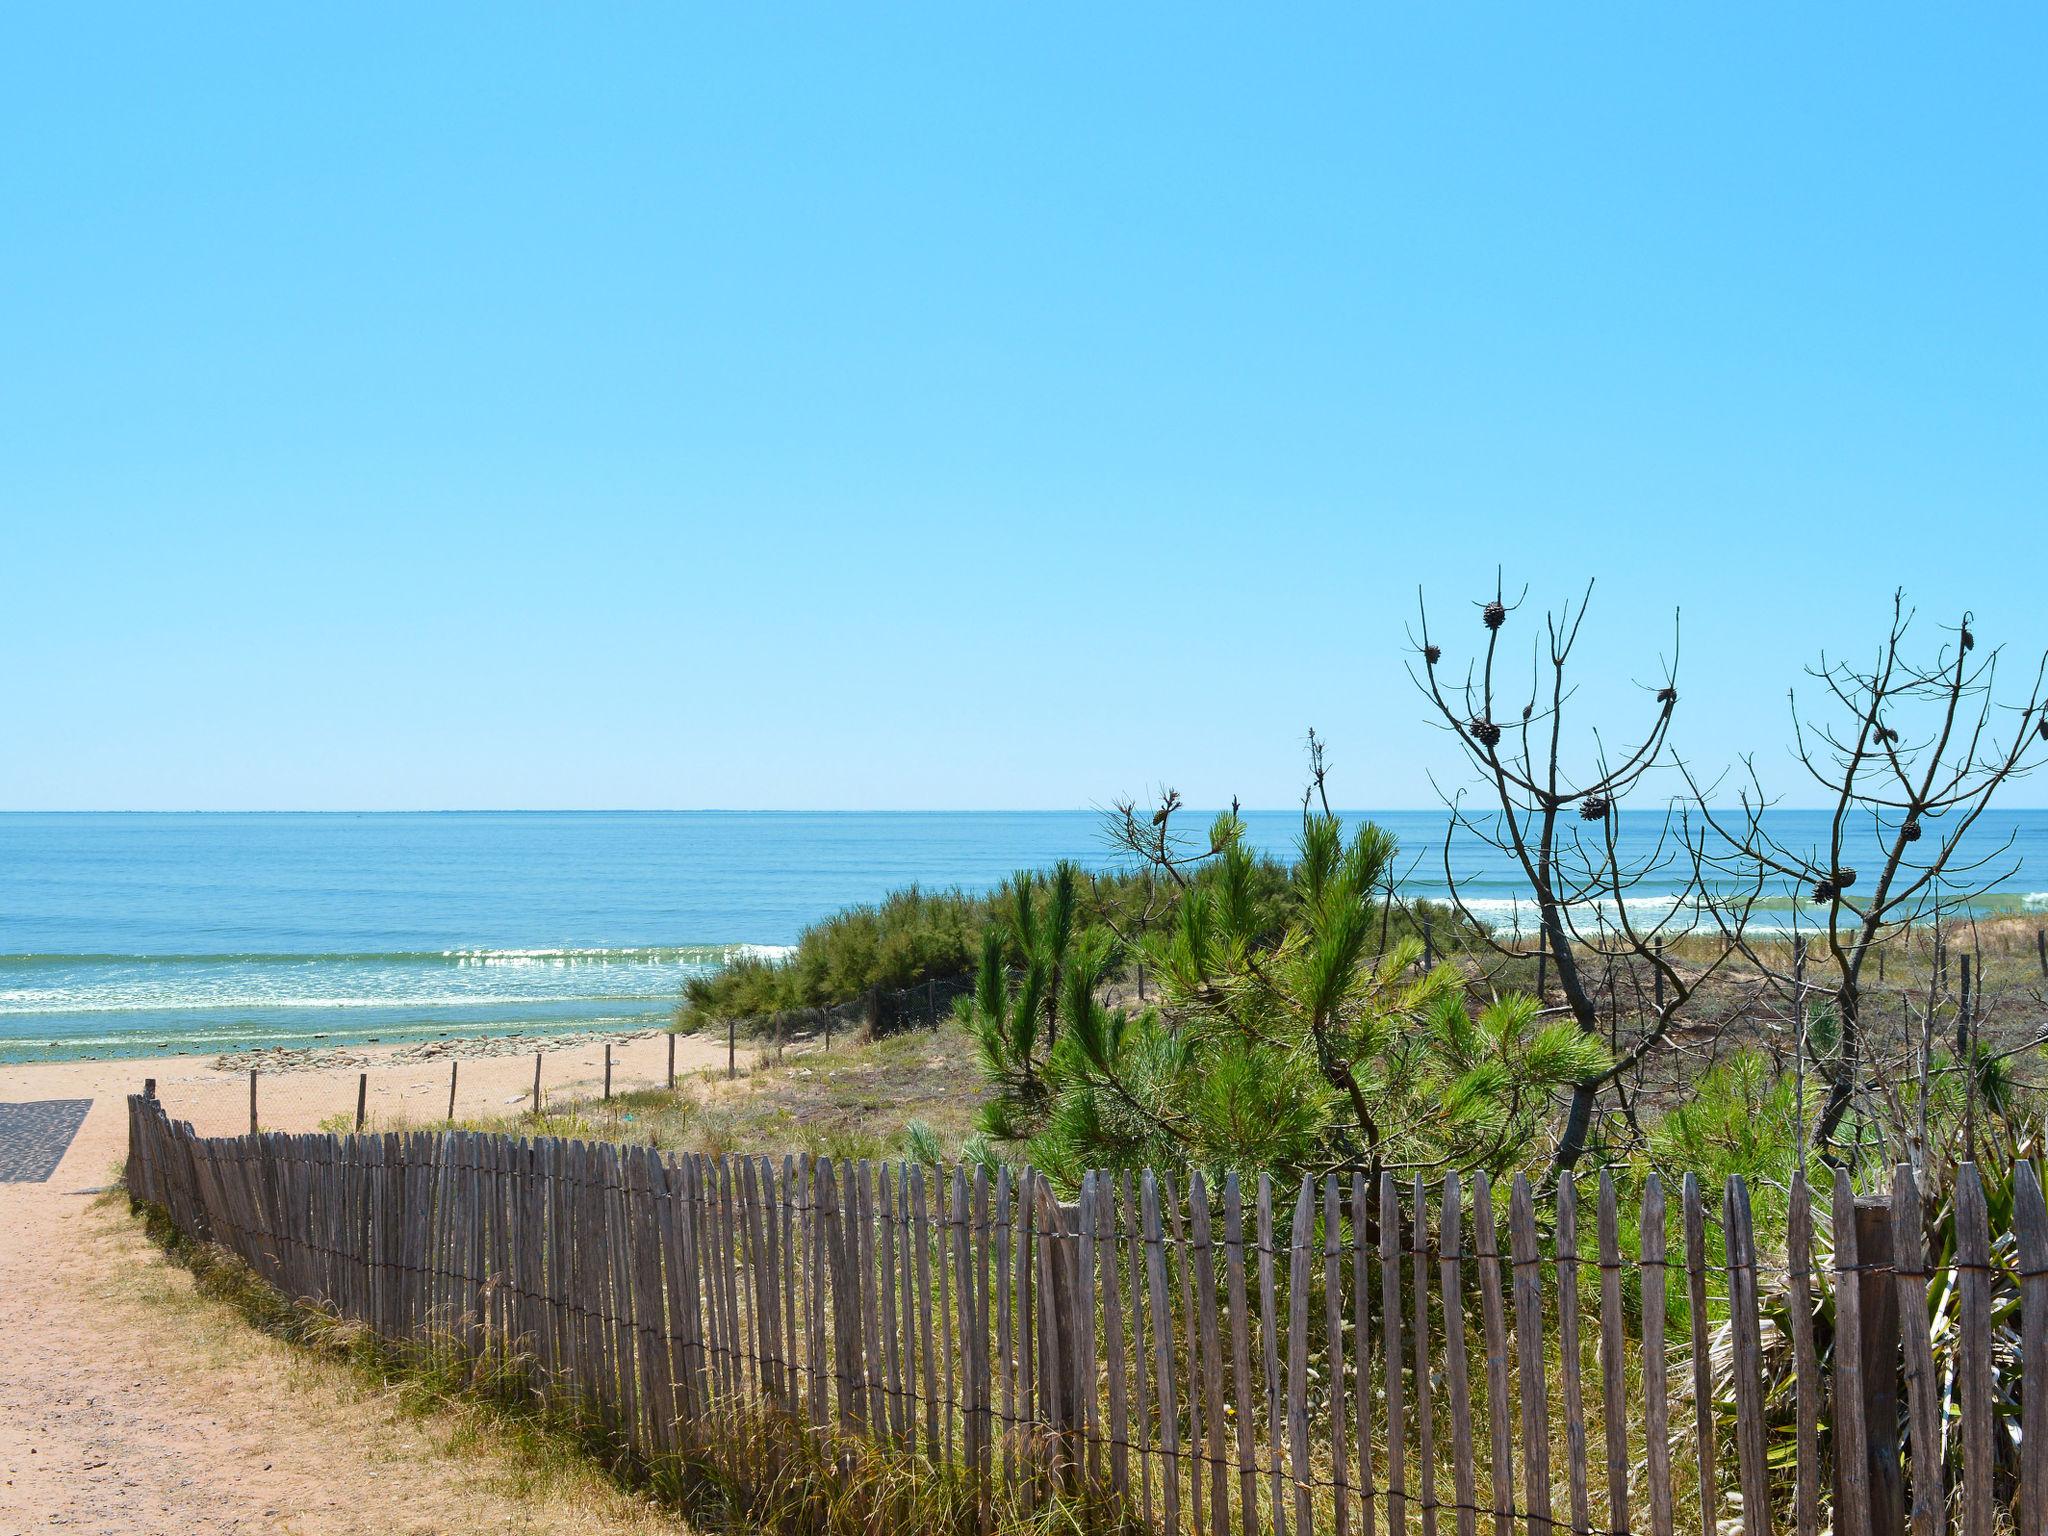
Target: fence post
column 252, row 1101
column 149, row 1087
column 536, row 1083
column 671, row 1061
column 2041, row 948
column 607, row 1071
column 732, row 1047
column 362, row 1099
column 1878, row 1306
column 1060, row 1311
column 452, row 1066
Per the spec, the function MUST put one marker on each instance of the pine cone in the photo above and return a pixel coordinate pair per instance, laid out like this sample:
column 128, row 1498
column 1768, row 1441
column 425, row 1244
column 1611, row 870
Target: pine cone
column 2041, row 729
column 1484, row 731
column 1494, row 614
column 1825, row 891
column 1667, row 695
column 1911, row 830
column 1432, row 654
column 1887, row 735
column 1844, row 878
column 1593, row 808
column 1969, row 640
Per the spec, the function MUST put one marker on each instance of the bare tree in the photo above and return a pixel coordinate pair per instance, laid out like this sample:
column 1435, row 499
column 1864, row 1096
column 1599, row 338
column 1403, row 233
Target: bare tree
column 1560, row 829
column 1910, row 754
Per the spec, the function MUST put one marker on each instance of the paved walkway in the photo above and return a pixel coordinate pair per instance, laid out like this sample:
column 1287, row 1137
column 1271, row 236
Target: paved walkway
column 34, row 1137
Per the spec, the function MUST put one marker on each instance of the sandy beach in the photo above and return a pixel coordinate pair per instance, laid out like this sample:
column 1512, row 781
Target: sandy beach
column 298, row 1091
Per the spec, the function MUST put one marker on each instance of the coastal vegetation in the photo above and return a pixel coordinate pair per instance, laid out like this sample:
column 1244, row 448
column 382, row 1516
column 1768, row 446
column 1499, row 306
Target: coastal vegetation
column 1205, row 1007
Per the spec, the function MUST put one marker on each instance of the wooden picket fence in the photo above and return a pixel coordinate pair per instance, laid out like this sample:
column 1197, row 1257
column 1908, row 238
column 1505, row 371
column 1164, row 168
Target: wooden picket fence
column 1214, row 1362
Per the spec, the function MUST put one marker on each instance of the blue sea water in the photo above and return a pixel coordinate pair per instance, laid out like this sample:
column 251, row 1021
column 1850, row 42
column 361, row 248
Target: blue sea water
column 124, row 934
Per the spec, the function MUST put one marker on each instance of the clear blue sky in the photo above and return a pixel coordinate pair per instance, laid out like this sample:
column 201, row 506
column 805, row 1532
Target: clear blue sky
column 973, row 405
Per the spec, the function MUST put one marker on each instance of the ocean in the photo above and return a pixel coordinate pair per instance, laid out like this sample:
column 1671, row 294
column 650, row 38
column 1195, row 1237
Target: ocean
column 126, row 934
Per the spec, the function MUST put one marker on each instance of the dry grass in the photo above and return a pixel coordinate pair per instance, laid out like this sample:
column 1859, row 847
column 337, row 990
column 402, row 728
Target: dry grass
column 507, row 1467
column 853, row 1101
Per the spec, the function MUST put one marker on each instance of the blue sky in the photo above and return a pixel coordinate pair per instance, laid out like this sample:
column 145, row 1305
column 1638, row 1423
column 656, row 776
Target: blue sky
column 976, row 406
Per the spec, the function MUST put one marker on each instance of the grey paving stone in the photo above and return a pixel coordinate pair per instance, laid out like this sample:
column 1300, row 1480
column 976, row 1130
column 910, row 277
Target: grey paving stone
column 35, row 1136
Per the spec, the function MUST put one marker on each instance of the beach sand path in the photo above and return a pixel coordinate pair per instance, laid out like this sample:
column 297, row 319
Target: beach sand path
column 129, row 1406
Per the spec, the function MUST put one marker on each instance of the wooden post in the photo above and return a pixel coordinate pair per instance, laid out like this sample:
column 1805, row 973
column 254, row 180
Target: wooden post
column 732, row 1047
column 252, row 1101
column 1878, row 1306
column 1657, row 975
column 1542, row 963
column 362, row 1099
column 607, row 1071
column 452, row 1066
column 536, row 1082
column 149, row 1087
column 671, row 1062
column 828, row 1029
column 2041, row 948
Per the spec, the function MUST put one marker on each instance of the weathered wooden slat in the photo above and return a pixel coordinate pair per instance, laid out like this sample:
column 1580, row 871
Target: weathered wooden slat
column 887, row 1287
column 1973, row 1279
column 1006, row 1216
column 1493, row 1318
column 1702, row 1368
column 1209, row 1345
column 1852, row 1471
column 1192, row 1396
column 1276, row 1412
column 2030, row 1228
column 1361, row 1355
column 984, row 1402
column 1392, row 1356
column 952, row 1267
column 1084, row 1370
column 1162, row 1353
column 1241, row 1395
column 1805, row 1363
column 1656, row 1400
column 1614, row 1415
column 1923, row 1387
column 907, row 1291
column 1052, row 1253
column 1333, row 1343
column 1528, row 1283
column 1745, row 1330
column 1300, row 1473
column 1425, row 1403
column 1570, row 1360
column 1108, row 1241
column 791, row 1205
column 871, row 1287
column 1140, row 1312
column 920, row 1215
column 1457, row 1371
